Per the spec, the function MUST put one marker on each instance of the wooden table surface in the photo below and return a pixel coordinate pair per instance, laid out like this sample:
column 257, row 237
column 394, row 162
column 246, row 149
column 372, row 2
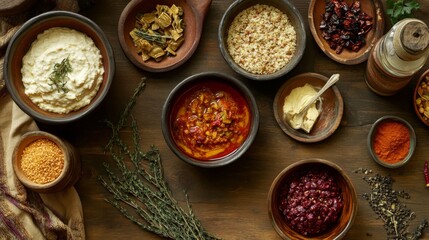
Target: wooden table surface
column 231, row 201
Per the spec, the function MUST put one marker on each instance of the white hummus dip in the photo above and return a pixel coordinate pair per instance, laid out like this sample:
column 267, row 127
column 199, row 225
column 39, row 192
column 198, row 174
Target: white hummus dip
column 83, row 81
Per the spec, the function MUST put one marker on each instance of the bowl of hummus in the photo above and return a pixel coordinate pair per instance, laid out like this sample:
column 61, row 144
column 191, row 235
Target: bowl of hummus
column 58, row 67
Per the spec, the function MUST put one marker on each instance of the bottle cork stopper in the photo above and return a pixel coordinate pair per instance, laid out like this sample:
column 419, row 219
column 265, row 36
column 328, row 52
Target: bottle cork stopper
column 411, row 39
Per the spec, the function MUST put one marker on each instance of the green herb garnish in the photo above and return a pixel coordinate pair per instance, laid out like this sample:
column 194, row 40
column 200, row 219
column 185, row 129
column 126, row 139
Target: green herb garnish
column 400, row 9
column 138, row 187
column 59, row 75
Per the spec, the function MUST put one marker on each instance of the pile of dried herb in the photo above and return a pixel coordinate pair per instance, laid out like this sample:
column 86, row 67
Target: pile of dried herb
column 140, row 191
column 386, row 203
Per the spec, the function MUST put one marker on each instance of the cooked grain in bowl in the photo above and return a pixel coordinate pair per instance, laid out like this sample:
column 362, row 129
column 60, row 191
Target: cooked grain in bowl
column 261, row 39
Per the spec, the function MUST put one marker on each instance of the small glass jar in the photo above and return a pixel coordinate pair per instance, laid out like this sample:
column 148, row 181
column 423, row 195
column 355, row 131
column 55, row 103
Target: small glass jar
column 397, row 57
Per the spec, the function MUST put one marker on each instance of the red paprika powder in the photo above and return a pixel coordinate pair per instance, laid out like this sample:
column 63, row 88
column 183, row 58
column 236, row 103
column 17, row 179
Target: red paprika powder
column 391, row 141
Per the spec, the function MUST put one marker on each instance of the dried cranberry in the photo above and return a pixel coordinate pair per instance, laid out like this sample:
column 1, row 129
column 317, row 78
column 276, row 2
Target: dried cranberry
column 311, row 202
column 349, row 22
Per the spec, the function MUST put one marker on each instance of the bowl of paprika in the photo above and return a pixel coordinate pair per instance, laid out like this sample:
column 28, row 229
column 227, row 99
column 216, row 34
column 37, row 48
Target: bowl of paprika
column 391, row 141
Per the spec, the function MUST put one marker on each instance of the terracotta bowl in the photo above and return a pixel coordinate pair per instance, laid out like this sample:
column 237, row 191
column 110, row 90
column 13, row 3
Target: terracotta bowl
column 332, row 108
column 194, row 14
column 373, row 8
column 422, row 90
column 20, row 44
column 286, row 7
column 340, row 228
column 371, row 136
column 217, row 82
column 70, row 173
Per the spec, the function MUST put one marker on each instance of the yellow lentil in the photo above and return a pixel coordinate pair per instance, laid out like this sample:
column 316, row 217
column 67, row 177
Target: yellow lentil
column 42, row 161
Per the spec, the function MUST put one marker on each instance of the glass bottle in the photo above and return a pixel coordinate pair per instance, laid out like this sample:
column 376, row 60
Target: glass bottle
column 397, row 56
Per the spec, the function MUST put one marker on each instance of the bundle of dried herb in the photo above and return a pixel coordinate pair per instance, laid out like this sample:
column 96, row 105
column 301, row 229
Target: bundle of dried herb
column 386, row 203
column 139, row 188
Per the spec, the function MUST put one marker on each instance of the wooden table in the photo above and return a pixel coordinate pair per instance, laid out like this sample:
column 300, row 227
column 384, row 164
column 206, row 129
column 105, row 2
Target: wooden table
column 231, row 201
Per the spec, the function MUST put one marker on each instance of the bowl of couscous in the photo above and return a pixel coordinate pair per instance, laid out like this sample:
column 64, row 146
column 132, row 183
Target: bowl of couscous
column 45, row 163
column 262, row 40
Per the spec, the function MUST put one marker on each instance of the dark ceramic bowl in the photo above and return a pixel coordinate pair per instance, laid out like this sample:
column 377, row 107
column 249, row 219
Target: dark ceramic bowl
column 194, row 14
column 340, row 228
column 70, row 173
column 216, row 82
column 20, row 44
column 372, row 134
column 294, row 17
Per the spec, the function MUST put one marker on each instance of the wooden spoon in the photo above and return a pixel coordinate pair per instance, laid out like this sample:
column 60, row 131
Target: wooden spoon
column 194, row 14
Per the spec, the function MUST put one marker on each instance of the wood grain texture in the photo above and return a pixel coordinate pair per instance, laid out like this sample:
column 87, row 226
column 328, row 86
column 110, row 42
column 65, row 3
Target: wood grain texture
column 231, row 201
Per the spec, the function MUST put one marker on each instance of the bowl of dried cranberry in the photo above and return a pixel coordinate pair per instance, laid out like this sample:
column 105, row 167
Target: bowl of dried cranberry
column 346, row 31
column 210, row 119
column 312, row 198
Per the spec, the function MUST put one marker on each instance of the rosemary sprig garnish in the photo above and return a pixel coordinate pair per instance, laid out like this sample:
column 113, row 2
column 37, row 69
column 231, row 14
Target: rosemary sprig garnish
column 59, row 75
column 155, row 37
column 140, row 191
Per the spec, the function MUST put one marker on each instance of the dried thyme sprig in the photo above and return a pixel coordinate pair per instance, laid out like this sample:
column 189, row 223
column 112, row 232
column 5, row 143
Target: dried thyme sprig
column 386, row 203
column 59, row 75
column 138, row 186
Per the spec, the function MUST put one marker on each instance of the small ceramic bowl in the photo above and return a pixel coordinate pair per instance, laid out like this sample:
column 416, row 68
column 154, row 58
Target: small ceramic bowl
column 372, row 135
column 193, row 17
column 20, row 44
column 224, row 91
column 281, row 184
column 421, row 98
column 332, row 108
column 316, row 10
column 294, row 17
column 70, row 172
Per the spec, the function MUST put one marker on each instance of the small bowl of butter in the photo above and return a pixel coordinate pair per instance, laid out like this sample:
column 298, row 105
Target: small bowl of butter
column 320, row 120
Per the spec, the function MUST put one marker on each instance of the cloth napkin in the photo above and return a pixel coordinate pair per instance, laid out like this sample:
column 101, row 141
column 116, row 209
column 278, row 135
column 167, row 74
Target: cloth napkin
column 25, row 214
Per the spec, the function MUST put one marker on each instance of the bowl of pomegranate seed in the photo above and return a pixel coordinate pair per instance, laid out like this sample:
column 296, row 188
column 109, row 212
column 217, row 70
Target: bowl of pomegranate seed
column 312, row 198
column 344, row 30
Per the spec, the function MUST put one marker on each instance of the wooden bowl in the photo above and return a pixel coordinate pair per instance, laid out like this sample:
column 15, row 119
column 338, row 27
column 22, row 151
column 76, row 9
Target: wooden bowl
column 20, row 44
column 214, row 81
column 371, row 136
column 70, row 173
column 372, row 8
column 349, row 196
column 295, row 18
column 332, row 108
column 418, row 92
column 194, row 14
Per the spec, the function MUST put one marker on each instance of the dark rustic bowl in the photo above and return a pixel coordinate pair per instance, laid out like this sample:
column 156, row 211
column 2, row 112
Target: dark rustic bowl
column 329, row 118
column 194, row 14
column 283, row 5
column 418, row 88
column 371, row 135
column 345, row 221
column 373, row 8
column 199, row 79
column 20, row 44
column 70, row 173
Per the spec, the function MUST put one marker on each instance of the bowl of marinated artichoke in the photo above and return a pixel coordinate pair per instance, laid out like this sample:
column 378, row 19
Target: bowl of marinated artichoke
column 159, row 37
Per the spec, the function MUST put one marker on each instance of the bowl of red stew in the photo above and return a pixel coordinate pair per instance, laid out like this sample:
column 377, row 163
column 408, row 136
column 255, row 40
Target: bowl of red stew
column 312, row 199
column 210, row 119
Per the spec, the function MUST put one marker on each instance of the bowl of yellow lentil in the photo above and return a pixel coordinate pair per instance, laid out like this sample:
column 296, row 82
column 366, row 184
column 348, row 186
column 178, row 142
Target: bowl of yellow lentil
column 262, row 40
column 421, row 98
column 44, row 163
